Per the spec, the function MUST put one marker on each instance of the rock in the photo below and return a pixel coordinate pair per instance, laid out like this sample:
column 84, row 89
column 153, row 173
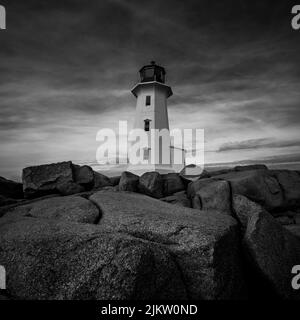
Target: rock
column 251, row 167
column 273, row 251
column 210, row 194
column 191, row 171
column 4, row 201
column 294, row 229
column 129, row 182
column 257, row 185
column 84, row 176
column 110, row 188
column 9, row 207
column 11, row 189
column 290, row 184
column 69, row 188
column 101, row 181
column 285, row 220
column 3, row 297
column 47, row 179
column 54, row 260
column 244, row 209
column 172, row 183
column 186, row 181
column 205, row 174
column 115, row 180
column 71, row 208
column 151, row 184
column 286, row 213
column 238, row 168
column 221, row 171
column 179, row 199
column 204, row 244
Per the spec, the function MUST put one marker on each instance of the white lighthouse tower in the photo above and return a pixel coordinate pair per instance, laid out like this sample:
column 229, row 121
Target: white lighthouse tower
column 152, row 113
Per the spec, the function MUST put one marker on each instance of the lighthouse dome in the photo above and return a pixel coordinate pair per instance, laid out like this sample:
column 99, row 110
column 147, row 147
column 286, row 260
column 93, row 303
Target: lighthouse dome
column 153, row 72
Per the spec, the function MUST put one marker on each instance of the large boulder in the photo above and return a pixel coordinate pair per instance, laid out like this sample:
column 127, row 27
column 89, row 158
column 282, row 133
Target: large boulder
column 285, row 220
column 294, row 229
column 204, row 244
column 244, row 209
column 69, row 188
column 129, row 182
column 290, row 184
column 192, row 171
column 101, row 181
column 210, row 194
column 251, row 167
column 48, row 179
column 172, row 183
column 21, row 202
column 115, row 180
column 48, row 259
column 84, row 176
column 11, row 189
column 273, row 251
column 71, row 208
column 151, row 184
column 179, row 199
column 257, row 185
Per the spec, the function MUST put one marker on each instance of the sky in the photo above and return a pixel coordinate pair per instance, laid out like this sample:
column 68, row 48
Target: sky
column 67, row 68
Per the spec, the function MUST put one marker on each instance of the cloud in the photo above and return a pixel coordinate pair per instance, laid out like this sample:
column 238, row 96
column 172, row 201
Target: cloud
column 258, row 144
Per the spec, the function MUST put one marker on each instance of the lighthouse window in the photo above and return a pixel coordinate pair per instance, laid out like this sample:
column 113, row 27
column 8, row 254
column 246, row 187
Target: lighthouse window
column 148, row 100
column 147, row 125
column 146, row 154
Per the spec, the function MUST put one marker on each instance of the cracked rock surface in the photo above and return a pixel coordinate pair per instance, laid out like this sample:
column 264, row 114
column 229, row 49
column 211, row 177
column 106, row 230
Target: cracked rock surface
column 50, row 259
column 70, row 208
column 204, row 245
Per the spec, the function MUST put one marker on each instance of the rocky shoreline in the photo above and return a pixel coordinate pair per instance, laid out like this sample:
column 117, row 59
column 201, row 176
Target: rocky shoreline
column 68, row 232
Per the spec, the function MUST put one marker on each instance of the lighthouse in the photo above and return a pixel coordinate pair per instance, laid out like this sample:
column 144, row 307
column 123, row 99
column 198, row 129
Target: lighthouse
column 152, row 93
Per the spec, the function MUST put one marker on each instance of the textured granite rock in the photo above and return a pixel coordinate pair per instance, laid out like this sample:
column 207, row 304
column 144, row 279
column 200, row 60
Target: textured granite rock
column 210, row 194
column 48, row 259
column 151, row 184
column 49, row 178
column 70, row 208
column 259, row 186
column 273, row 251
column 179, row 199
column 129, row 182
column 172, row 183
column 204, row 244
column 101, row 181
column 244, row 209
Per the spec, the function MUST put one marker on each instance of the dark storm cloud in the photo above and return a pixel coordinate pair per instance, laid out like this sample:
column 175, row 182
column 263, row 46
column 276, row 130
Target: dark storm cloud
column 233, row 66
column 258, row 144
